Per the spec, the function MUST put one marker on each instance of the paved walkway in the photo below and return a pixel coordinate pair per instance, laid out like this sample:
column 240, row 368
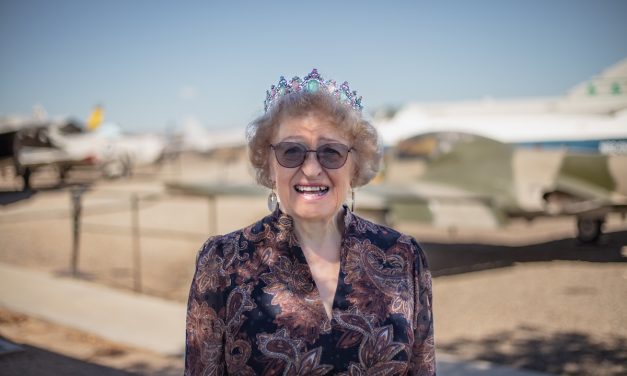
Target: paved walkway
column 120, row 316
column 140, row 320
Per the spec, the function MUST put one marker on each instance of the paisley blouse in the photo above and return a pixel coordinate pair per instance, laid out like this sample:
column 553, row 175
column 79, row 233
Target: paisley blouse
column 254, row 308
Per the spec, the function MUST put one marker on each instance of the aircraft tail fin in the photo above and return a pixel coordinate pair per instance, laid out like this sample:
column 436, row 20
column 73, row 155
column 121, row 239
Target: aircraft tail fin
column 612, row 82
column 95, row 118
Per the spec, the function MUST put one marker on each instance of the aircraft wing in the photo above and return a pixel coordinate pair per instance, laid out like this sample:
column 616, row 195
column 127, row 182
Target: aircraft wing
column 437, row 204
column 424, row 191
column 36, row 157
column 214, row 189
column 12, row 125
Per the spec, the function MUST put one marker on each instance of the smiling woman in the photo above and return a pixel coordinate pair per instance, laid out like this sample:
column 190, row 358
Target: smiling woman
column 311, row 288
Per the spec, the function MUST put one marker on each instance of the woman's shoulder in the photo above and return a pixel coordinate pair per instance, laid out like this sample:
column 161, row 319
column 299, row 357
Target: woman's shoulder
column 381, row 233
column 217, row 244
column 386, row 237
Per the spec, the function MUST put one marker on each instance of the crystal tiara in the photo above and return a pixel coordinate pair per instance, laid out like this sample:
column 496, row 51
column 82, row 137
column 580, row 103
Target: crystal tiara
column 312, row 83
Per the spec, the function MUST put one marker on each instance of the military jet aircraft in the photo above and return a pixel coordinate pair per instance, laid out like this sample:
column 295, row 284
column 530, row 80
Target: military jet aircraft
column 464, row 180
column 591, row 117
column 26, row 147
column 30, row 143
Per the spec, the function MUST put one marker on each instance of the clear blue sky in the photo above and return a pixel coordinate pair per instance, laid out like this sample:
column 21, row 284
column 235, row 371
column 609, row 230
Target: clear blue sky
column 153, row 63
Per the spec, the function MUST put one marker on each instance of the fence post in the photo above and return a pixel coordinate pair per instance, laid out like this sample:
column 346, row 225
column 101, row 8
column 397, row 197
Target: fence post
column 136, row 245
column 76, row 194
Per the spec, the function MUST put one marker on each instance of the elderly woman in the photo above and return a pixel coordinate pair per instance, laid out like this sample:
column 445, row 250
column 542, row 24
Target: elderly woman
column 312, row 288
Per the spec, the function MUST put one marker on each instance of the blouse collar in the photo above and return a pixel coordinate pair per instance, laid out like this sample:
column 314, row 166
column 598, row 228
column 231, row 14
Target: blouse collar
column 285, row 224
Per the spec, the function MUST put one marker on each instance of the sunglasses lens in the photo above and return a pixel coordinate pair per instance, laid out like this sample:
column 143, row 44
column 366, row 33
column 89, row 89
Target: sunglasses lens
column 290, row 154
column 332, row 155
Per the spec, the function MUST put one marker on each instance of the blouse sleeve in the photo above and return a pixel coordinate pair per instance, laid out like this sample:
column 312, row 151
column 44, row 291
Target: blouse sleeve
column 423, row 351
column 204, row 334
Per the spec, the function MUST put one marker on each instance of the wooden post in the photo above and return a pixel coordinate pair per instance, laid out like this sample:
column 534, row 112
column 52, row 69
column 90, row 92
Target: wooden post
column 136, row 242
column 75, row 197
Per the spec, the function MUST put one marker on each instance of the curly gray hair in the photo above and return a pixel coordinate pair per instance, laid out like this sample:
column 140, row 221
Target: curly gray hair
column 349, row 122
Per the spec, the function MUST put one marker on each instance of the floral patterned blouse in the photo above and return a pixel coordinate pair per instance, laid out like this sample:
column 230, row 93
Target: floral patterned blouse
column 254, row 308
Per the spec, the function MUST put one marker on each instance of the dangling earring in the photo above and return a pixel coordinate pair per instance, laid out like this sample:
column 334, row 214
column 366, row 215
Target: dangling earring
column 352, row 200
column 273, row 200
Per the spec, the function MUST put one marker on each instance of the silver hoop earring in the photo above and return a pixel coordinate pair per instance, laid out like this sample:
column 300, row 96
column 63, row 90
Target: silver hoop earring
column 273, row 201
column 352, row 200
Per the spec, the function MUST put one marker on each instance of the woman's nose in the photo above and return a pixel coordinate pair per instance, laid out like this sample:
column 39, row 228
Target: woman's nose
column 311, row 166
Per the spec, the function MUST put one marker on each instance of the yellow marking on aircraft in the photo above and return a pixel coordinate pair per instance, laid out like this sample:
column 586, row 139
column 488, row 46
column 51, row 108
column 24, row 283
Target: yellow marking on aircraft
column 95, row 118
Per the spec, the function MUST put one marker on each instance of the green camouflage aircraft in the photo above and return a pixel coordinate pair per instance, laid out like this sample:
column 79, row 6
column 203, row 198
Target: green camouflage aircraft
column 463, row 180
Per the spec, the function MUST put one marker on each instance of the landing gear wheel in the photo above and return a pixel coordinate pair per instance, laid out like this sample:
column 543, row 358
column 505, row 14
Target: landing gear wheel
column 117, row 168
column 589, row 230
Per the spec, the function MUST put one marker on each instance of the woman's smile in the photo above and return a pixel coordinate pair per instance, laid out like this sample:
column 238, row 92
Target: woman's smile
column 312, row 191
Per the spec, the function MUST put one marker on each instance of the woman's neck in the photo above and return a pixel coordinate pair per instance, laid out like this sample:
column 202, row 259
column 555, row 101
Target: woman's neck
column 321, row 237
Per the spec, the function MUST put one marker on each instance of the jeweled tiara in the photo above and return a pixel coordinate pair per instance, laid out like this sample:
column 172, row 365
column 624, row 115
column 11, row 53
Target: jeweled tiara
column 312, row 83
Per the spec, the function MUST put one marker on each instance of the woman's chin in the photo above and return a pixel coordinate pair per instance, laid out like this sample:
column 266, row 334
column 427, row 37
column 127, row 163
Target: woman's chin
column 310, row 210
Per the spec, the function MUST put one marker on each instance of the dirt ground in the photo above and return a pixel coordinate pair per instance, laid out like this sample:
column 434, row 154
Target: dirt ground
column 527, row 295
column 50, row 349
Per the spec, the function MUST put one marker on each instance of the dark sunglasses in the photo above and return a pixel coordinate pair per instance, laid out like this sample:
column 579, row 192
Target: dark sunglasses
column 293, row 154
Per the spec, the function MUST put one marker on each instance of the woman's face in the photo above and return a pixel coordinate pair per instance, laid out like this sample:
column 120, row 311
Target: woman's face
column 310, row 192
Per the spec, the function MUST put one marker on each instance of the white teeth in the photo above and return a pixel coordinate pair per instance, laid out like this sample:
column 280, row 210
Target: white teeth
column 309, row 188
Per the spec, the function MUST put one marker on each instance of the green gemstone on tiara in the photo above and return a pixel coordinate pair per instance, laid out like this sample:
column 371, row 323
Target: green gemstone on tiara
column 312, row 83
column 312, row 86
